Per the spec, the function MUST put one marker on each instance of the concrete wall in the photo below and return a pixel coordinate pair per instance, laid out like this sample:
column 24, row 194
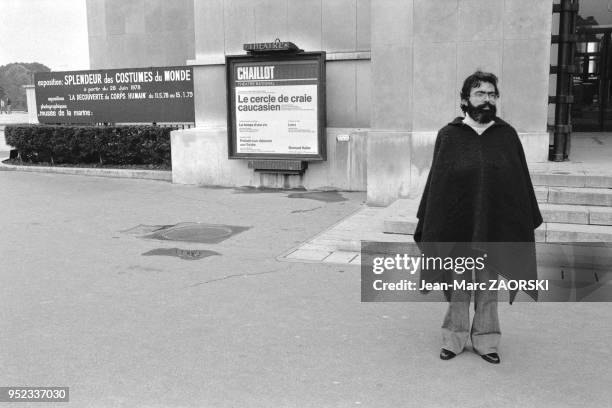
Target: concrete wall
column 339, row 27
column 223, row 26
column 422, row 51
column 199, row 156
column 139, row 33
column 394, row 70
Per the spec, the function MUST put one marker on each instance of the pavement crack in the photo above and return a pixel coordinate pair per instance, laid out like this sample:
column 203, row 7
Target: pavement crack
column 235, row 275
column 303, row 211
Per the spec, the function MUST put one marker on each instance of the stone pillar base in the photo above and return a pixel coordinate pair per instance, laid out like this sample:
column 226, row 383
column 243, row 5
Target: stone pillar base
column 399, row 162
column 200, row 156
column 31, row 103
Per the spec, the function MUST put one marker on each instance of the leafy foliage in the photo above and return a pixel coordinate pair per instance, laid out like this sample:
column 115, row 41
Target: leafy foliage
column 12, row 78
column 91, row 144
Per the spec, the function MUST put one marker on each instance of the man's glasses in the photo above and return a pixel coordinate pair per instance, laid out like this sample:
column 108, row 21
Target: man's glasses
column 481, row 95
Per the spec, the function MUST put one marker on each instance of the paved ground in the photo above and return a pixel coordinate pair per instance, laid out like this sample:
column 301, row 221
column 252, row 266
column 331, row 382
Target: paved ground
column 590, row 152
column 591, row 156
column 82, row 307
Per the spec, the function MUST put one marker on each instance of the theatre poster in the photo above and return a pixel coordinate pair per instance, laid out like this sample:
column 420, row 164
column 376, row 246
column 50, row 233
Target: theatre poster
column 276, row 106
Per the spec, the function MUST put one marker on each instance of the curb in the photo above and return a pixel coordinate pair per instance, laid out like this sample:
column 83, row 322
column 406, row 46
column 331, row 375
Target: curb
column 161, row 175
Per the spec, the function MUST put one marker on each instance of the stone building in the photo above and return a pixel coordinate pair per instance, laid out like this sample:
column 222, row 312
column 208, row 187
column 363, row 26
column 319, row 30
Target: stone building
column 394, row 69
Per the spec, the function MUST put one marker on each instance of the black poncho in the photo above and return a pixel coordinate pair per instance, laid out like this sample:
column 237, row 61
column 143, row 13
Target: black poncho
column 479, row 190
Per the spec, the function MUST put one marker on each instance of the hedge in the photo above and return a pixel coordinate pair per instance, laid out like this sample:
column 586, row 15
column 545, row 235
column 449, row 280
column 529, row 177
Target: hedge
column 90, row 144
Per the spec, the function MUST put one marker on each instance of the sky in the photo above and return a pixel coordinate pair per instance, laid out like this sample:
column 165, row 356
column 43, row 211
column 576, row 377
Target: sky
column 52, row 32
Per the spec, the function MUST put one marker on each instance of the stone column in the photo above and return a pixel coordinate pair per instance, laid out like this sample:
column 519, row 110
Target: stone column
column 31, row 103
column 527, row 28
column 388, row 146
column 422, row 50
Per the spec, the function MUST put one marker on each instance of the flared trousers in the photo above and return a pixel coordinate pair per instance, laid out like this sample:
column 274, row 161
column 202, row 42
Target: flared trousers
column 484, row 332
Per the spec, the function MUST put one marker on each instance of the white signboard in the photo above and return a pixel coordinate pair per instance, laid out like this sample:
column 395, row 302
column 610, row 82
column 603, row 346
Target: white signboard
column 279, row 119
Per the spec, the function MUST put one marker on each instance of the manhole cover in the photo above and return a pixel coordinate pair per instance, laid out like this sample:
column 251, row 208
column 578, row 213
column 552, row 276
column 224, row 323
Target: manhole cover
column 195, row 232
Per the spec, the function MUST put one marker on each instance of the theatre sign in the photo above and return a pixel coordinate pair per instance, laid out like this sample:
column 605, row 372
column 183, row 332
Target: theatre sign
column 276, row 103
column 155, row 94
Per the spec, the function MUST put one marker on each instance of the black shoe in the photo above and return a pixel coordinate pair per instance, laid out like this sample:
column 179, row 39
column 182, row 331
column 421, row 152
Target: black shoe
column 492, row 358
column 446, row 354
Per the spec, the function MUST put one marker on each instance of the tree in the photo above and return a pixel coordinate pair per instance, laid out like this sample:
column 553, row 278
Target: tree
column 12, row 78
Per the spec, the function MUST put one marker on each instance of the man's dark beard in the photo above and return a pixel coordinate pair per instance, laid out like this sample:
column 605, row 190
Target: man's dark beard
column 479, row 113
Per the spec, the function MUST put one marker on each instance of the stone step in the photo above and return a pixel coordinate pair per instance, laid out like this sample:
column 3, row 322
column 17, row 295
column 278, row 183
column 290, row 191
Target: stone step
column 574, row 195
column 405, row 223
column 547, row 232
column 571, row 179
column 561, row 232
column 580, row 196
column 541, row 193
column 566, row 214
column 341, row 242
column 580, row 257
column 576, row 214
column 406, row 226
column 400, row 225
column 559, row 261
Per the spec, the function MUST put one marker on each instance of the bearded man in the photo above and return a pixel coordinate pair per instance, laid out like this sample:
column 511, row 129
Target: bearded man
column 478, row 191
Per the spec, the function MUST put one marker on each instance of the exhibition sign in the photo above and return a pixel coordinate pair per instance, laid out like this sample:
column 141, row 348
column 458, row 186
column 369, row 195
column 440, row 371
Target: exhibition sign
column 154, row 94
column 276, row 106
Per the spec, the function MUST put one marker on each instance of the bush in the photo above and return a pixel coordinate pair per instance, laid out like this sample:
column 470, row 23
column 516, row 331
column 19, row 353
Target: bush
column 91, row 144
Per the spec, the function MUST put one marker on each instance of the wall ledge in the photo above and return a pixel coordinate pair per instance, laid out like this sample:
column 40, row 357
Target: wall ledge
column 219, row 59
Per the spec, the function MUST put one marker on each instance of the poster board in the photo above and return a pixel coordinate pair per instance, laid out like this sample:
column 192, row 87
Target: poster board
column 276, row 106
column 153, row 94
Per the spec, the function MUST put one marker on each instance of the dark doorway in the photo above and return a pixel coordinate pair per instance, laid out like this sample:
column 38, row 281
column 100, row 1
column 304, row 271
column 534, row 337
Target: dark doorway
column 592, row 107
